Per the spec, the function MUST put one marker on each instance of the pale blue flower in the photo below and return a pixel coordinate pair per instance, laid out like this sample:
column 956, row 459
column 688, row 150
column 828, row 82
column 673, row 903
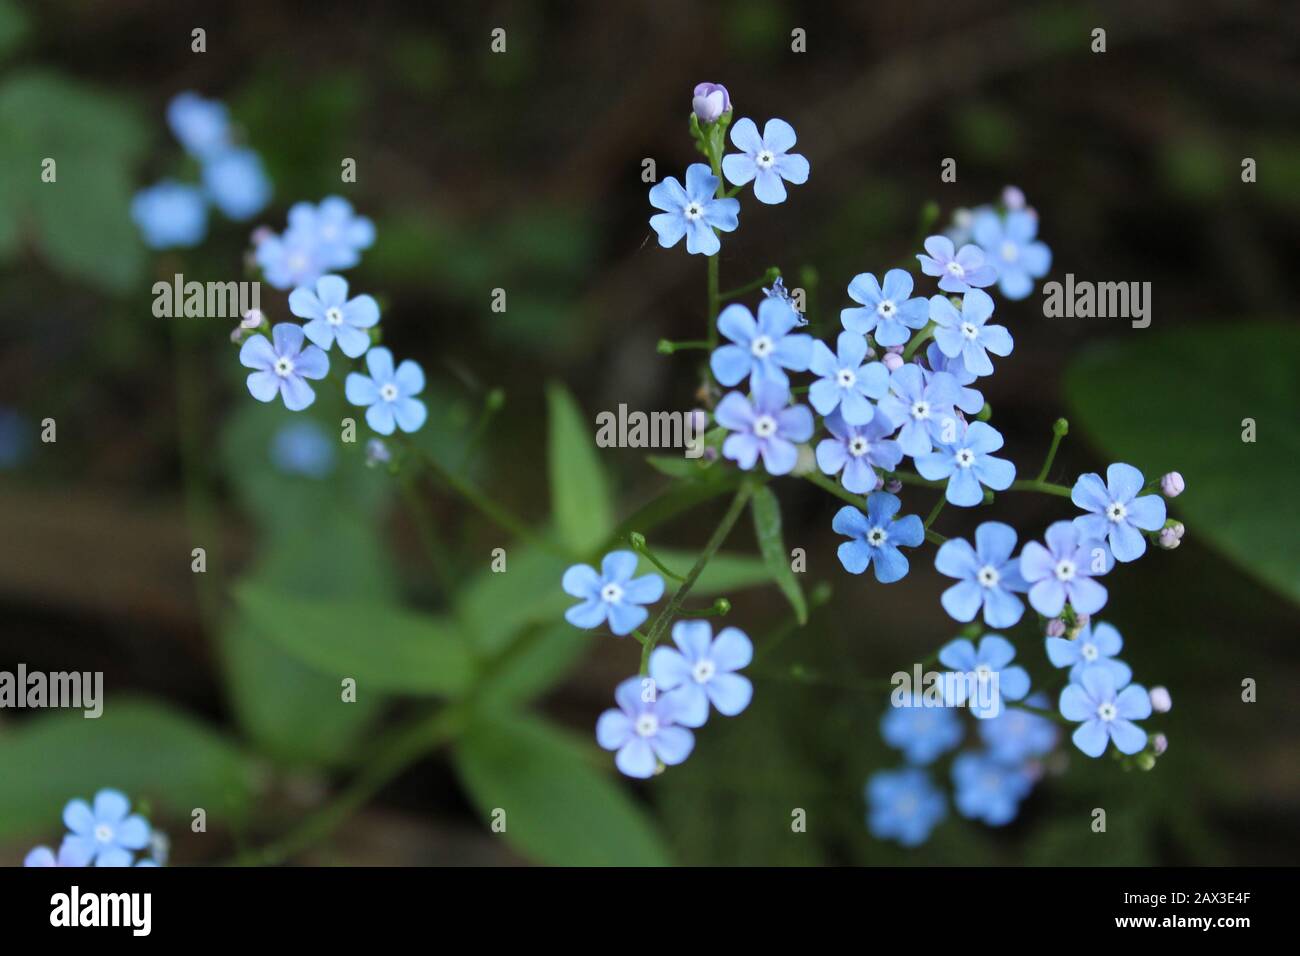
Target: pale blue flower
column 877, row 536
column 339, row 234
column 1118, row 514
column 988, row 790
column 961, row 269
column 106, row 834
column 72, row 852
column 643, row 732
column 334, row 317
column 845, row 382
column 967, row 462
column 293, row 259
column 903, row 805
column 201, row 126
column 983, row 679
column 969, row 400
column 237, row 183
column 693, row 211
column 1094, row 646
column 923, row 733
column 1105, row 714
column 611, row 594
column 764, row 160
column 170, row 215
column 923, row 405
column 966, row 333
column 388, row 393
column 768, row 428
column 760, row 349
column 1064, row 571
column 855, row 451
column 987, row 575
column 1017, row 735
column 889, row 312
column 702, row 671
column 1010, row 246
column 283, row 365
column 303, row 448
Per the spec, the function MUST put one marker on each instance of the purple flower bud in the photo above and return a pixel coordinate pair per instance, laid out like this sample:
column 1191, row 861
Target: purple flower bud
column 261, row 234
column 1161, row 702
column 1172, row 484
column 1013, row 198
column 892, row 361
column 1055, row 627
column 1159, row 744
column 880, row 482
column 893, row 486
column 711, row 100
column 1169, row 539
column 1081, row 620
column 1178, row 529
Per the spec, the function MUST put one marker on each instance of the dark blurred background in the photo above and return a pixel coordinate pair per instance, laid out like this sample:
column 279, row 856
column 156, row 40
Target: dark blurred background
column 523, row 171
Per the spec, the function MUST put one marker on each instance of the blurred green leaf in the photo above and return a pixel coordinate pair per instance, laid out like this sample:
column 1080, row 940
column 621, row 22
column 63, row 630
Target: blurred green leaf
column 560, row 810
column 541, row 658
column 1135, row 402
column 142, row 747
column 580, row 498
column 13, row 27
column 767, row 528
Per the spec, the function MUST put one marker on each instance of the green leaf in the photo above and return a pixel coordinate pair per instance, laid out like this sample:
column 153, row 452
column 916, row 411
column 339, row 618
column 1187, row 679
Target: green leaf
column 149, row 751
column 1176, row 401
column 386, row 649
column 541, row 658
column 724, row 574
column 560, row 810
column 767, row 527
column 584, row 511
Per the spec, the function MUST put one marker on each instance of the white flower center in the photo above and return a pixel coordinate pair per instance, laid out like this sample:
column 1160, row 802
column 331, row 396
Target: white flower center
column 388, row 392
column 1089, row 652
column 647, row 725
column 103, row 833
column 1116, row 512
column 965, row 458
column 334, row 316
column 886, row 309
column 1107, row 712
column 988, row 576
column 764, row 426
column 1065, row 570
column 847, row 378
column 858, row 446
column 694, row 211
column 611, row 593
column 921, row 410
column 765, row 159
column 969, row 331
column 761, row 347
column 877, row 536
column 703, row 671
column 284, row 366
column 956, row 269
column 1010, row 251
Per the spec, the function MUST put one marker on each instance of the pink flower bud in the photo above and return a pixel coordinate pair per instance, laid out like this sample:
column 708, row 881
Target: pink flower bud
column 1081, row 620
column 261, row 234
column 893, row 486
column 1169, row 539
column 1178, row 529
column 710, row 101
column 880, row 482
column 1055, row 627
column 1161, row 702
column 1159, row 744
column 1013, row 198
column 892, row 361
column 1172, row 484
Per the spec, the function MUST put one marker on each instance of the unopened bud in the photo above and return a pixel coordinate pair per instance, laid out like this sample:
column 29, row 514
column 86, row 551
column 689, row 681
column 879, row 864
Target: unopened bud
column 1159, row 744
column 1173, row 485
column 377, row 453
column 1013, row 198
column 893, row 486
column 710, row 101
column 1055, row 627
column 1169, row 539
column 892, row 361
column 1161, row 702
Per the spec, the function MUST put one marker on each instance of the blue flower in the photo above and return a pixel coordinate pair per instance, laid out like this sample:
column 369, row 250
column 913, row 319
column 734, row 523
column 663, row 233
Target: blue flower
column 1017, row 735
column 887, row 311
column 768, row 428
column 703, row 671
column 962, row 270
column 1010, row 246
column 107, row 834
column 761, row 348
column 969, row 400
column 72, row 852
column 388, row 393
column 877, row 537
column 1117, row 512
column 237, row 183
column 987, row 790
column 283, row 366
column 765, row 160
column 966, row 334
column 987, row 576
column 339, row 234
column 922, row 404
column 845, row 382
column 612, row 594
column 968, row 463
column 854, row 449
column 1105, row 715
column 201, row 126
column 903, row 805
column 170, row 215
column 692, row 212
column 644, row 732
column 1064, row 570
column 1094, row 646
column 303, row 448
column 333, row 316
column 921, row 732
column 290, row 260
column 983, row 679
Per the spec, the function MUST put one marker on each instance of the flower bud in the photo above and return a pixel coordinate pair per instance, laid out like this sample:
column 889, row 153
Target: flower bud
column 1172, row 484
column 1145, row 761
column 880, row 482
column 1013, row 198
column 377, row 453
column 1055, row 627
column 261, row 234
column 892, row 361
column 1159, row 744
column 806, row 463
column 711, row 100
column 893, row 486
column 1169, row 539
column 1161, row 702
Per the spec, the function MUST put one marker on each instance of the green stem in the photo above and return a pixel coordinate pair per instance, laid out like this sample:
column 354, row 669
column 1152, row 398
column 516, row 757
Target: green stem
column 666, row 347
column 424, row 530
column 638, row 542
column 916, row 341
column 1051, row 455
column 767, row 277
column 713, row 299
column 907, row 478
column 934, row 512
column 1043, row 487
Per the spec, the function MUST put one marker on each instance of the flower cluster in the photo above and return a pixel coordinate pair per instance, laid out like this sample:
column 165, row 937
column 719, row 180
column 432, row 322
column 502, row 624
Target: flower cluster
column 104, row 833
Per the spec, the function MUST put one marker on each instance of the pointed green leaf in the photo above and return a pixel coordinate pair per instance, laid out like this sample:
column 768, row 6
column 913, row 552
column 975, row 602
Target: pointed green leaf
column 767, row 527
column 580, row 498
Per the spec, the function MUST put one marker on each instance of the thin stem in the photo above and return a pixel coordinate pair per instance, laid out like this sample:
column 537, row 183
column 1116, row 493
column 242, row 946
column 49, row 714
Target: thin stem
column 916, row 341
column 934, row 512
column 1043, row 487
column 638, row 542
column 667, row 347
column 712, row 317
column 424, row 530
column 770, row 275
column 907, row 478
column 1051, row 455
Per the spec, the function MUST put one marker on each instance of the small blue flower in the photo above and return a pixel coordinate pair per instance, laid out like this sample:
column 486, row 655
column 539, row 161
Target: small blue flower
column 987, row 575
column 339, row 234
column 903, row 805
column 303, row 448
column 703, row 671
column 923, row 733
column 1095, row 646
column 335, row 317
column 1105, row 714
column 72, row 852
column 962, row 270
column 1064, row 570
column 388, row 393
column 107, row 834
column 765, row 160
column 876, row 537
column 969, row 400
column 612, row 594
column 968, row 463
column 922, row 404
column 170, row 215
column 965, row 333
column 201, row 126
column 1118, row 514
column 845, row 382
column 853, row 450
column 767, row 428
column 237, row 183
column 763, row 348
column 887, row 311
column 1016, row 735
column 283, row 365
column 987, row 790
column 983, row 679
column 693, row 212
column 1010, row 246
column 644, row 732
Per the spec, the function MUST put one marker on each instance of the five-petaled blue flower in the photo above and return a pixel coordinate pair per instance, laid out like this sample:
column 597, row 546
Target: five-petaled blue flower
column 107, row 834
column 237, row 183
column 845, row 382
column 612, row 594
column 762, row 349
column 987, row 575
column 333, row 316
column 644, row 732
column 876, row 537
column 853, row 450
column 201, row 126
column 1095, row 646
column 702, row 671
column 72, row 852
column 966, row 333
column 921, row 732
column 969, row 400
column 339, row 233
column 1017, row 735
column 903, row 805
column 984, row 678
column 1064, row 570
column 766, row 159
column 923, row 405
column 987, row 790
column 170, row 215
column 1117, row 511
column 961, row 270
column 887, row 312
column 768, row 427
column 388, row 392
column 1010, row 245
column 693, row 212
column 1105, row 713
column 967, row 462
column 283, row 366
